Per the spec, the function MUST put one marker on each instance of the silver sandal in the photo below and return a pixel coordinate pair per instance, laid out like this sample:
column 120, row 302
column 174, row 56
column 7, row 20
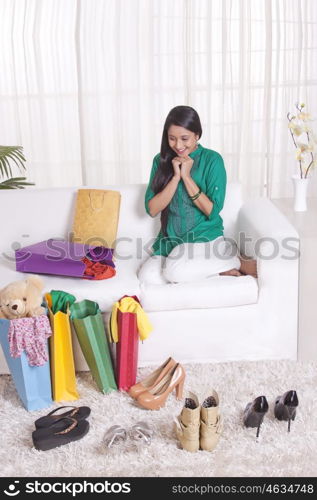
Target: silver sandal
column 141, row 432
column 114, row 435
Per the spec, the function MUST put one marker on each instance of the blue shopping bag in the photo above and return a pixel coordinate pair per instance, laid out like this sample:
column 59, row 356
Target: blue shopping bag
column 33, row 383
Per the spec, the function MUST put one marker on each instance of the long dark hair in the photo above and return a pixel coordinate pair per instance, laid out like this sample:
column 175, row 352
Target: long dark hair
column 183, row 116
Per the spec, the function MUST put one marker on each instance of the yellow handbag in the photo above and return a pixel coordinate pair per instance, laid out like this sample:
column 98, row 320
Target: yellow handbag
column 63, row 376
column 96, row 217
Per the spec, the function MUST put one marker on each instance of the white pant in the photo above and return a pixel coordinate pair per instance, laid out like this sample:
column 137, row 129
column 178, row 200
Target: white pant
column 190, row 262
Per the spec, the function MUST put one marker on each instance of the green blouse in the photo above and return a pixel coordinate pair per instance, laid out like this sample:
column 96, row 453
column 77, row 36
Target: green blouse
column 186, row 222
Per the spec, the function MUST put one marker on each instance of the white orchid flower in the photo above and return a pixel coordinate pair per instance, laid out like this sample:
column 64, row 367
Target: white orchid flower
column 303, row 147
column 312, row 145
column 307, row 128
column 297, row 130
column 305, row 151
column 304, row 116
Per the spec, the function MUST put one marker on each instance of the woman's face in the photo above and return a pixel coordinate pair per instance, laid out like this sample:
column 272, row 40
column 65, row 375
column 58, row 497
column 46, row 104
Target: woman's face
column 181, row 140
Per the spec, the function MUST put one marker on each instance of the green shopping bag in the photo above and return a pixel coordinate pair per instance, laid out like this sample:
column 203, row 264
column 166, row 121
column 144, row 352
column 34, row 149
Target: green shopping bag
column 90, row 331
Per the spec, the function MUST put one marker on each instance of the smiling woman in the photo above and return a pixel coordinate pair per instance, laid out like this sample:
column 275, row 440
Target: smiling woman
column 187, row 186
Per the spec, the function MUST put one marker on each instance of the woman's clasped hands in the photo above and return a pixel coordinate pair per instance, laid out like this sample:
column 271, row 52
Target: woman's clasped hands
column 182, row 166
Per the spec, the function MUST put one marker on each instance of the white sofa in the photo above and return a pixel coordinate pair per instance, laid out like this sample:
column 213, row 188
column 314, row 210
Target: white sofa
column 220, row 319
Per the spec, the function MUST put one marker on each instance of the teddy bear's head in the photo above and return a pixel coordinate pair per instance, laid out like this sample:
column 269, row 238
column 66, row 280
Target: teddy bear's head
column 22, row 298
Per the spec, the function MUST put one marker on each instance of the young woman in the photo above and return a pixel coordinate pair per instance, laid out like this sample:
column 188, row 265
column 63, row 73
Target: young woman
column 187, row 187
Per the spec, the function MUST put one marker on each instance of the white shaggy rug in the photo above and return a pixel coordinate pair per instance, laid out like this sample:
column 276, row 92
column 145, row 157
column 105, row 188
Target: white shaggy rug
column 278, row 453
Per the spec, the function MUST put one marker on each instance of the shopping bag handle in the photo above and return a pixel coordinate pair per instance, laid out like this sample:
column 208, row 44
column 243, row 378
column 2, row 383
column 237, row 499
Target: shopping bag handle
column 96, row 209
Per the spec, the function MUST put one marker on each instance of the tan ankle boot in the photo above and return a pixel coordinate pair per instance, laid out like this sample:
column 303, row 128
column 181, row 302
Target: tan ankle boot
column 187, row 423
column 210, row 422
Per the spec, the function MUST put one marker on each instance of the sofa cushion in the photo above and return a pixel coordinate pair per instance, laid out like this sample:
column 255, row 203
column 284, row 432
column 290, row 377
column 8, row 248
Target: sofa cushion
column 218, row 291
column 104, row 292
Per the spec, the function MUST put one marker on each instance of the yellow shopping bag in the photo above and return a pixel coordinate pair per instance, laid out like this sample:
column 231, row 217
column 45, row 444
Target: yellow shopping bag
column 96, row 217
column 61, row 356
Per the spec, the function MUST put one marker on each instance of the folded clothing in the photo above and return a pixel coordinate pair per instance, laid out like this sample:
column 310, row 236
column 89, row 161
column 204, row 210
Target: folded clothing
column 97, row 270
column 61, row 300
column 30, row 335
column 129, row 304
column 102, row 255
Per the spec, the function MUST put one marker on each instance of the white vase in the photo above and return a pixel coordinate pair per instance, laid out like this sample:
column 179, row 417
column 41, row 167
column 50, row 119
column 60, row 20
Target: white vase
column 300, row 193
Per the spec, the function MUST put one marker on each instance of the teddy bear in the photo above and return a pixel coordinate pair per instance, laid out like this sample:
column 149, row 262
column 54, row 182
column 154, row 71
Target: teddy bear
column 22, row 298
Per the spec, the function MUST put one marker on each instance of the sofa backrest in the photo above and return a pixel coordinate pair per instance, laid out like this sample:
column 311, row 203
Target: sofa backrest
column 232, row 205
column 33, row 215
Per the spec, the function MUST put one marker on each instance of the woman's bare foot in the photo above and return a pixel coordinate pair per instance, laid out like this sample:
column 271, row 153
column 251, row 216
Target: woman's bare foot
column 248, row 266
column 232, row 272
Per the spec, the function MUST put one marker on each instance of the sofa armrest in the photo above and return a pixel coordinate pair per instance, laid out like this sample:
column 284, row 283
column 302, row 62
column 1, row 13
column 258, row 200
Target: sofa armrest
column 260, row 223
column 264, row 233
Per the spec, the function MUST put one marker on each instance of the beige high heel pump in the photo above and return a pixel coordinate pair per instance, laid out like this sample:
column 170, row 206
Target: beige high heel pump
column 152, row 379
column 155, row 398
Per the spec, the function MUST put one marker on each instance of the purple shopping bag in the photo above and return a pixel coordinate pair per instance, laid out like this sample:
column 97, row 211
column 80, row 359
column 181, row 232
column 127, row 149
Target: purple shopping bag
column 63, row 258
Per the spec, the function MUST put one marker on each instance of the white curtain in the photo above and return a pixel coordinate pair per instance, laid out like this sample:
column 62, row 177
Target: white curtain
column 85, row 86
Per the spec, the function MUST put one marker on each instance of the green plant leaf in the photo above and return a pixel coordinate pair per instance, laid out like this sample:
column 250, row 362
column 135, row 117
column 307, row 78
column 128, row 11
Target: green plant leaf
column 15, row 183
column 5, row 167
column 16, row 161
column 11, row 154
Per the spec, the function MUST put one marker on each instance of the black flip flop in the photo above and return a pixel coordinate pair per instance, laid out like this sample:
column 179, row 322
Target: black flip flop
column 62, row 431
column 77, row 412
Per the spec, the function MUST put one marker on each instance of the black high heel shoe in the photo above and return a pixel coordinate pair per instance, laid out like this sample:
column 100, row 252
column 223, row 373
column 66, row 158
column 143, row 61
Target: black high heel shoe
column 254, row 413
column 285, row 407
